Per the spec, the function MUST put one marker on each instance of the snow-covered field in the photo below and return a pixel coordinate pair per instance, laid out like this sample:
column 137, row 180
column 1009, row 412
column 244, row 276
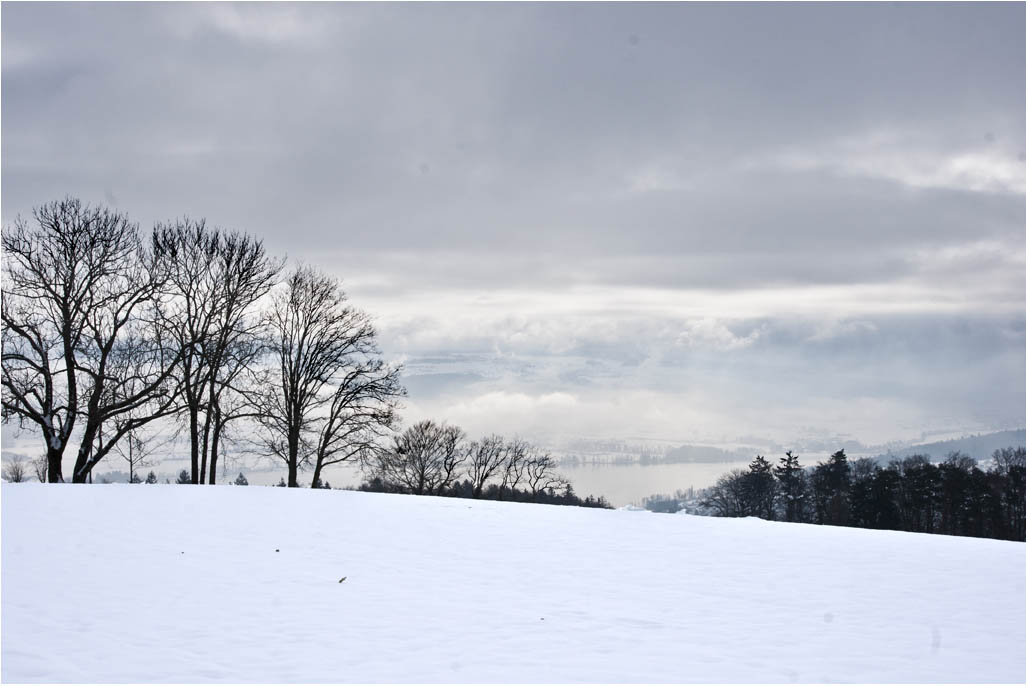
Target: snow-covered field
column 143, row 583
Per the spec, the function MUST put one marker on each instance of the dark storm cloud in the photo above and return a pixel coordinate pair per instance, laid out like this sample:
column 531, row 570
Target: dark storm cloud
column 591, row 153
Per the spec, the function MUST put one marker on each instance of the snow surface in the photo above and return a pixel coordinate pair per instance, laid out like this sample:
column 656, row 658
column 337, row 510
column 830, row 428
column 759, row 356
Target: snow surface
column 119, row 583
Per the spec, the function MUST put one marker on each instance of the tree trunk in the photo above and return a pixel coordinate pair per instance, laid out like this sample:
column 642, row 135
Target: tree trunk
column 214, row 447
column 211, row 420
column 203, row 445
column 315, row 482
column 294, row 457
column 194, row 446
column 53, row 464
column 82, row 467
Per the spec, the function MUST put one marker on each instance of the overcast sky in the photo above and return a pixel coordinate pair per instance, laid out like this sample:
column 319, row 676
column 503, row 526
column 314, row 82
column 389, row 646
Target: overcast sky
column 690, row 222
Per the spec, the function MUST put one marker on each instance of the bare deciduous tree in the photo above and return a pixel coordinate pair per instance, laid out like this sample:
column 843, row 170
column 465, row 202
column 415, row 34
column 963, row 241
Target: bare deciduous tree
column 526, row 465
column 425, row 459
column 72, row 287
column 1005, row 458
column 49, row 275
column 14, row 471
column 137, row 449
column 332, row 395
column 486, row 457
column 541, row 474
column 215, row 279
column 39, row 467
column 519, row 453
column 130, row 374
column 728, row 496
column 362, row 409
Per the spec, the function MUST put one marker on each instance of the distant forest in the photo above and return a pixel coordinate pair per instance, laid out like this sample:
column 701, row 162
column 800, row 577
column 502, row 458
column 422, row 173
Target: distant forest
column 954, row 496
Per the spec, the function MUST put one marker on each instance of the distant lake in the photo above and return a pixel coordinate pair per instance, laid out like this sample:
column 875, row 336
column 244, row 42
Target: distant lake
column 620, row 484
column 623, row 484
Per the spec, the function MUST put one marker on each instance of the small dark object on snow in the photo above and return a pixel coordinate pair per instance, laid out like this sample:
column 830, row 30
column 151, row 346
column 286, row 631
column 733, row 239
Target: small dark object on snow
column 542, row 619
column 276, row 550
column 342, row 580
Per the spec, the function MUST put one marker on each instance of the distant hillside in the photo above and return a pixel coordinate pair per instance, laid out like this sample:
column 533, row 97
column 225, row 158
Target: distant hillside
column 702, row 453
column 979, row 447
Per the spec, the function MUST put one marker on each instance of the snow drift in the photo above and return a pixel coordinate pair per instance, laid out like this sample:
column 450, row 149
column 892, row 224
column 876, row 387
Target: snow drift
column 141, row 583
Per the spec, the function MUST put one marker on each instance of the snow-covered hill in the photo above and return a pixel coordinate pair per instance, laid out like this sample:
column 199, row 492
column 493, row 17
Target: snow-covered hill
column 143, row 583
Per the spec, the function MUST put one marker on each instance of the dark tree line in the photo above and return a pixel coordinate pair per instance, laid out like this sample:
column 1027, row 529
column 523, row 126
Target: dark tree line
column 466, row 489
column 954, row 497
column 107, row 330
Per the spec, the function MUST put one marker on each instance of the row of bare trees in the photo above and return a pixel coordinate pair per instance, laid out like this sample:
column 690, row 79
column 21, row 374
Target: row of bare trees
column 429, row 458
column 106, row 331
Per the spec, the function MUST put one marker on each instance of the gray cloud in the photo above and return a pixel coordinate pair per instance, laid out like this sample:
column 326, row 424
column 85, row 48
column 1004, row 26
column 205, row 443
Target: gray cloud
column 558, row 197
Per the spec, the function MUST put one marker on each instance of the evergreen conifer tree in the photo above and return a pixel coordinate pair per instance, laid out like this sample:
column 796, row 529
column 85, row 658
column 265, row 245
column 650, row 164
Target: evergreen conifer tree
column 837, row 474
column 792, row 487
column 760, row 489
